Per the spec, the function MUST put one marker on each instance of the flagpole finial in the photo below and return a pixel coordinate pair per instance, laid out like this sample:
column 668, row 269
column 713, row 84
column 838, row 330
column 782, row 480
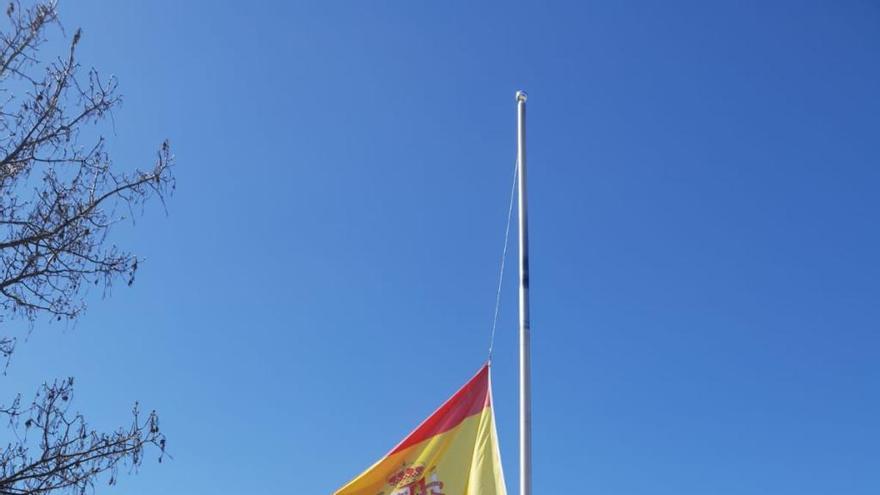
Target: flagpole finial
column 521, row 96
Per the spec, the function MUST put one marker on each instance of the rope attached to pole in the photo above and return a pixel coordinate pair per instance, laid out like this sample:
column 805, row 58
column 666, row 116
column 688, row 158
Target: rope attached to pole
column 503, row 259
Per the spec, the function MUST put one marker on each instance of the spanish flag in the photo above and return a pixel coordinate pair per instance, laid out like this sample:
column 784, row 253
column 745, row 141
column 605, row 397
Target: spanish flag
column 453, row 452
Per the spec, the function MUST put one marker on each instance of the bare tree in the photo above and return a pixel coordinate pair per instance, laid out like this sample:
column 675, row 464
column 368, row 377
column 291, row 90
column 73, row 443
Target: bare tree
column 55, row 451
column 59, row 196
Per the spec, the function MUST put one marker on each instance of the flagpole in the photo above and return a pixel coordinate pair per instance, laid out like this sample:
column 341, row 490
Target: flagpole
column 525, row 386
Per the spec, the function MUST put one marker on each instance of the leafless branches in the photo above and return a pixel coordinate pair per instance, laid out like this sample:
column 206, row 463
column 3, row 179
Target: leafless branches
column 55, row 451
column 59, row 197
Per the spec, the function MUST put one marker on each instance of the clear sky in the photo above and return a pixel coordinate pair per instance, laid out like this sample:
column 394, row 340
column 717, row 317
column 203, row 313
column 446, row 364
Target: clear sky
column 704, row 210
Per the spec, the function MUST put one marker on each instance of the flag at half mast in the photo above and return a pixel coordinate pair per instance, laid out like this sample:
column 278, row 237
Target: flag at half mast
column 453, row 452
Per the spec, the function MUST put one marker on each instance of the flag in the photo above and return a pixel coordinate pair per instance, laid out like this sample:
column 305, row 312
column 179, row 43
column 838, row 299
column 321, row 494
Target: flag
column 453, row 452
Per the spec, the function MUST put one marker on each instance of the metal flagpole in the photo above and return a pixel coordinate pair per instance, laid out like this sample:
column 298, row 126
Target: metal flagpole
column 525, row 400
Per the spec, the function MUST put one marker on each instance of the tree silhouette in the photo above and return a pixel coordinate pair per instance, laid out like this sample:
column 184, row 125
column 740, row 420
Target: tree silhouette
column 60, row 194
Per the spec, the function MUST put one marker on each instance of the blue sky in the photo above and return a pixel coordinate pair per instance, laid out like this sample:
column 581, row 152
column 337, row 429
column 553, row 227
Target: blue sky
column 704, row 211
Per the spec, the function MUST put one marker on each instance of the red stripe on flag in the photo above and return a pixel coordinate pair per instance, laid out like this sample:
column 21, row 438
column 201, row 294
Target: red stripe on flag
column 470, row 399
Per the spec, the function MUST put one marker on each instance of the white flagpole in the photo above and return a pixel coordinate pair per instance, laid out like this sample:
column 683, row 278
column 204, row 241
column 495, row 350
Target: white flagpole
column 525, row 386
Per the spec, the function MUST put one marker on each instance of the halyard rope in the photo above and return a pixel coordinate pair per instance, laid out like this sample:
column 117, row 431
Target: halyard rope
column 503, row 259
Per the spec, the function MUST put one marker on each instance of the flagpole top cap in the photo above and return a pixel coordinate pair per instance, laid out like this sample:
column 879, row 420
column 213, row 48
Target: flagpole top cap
column 521, row 96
